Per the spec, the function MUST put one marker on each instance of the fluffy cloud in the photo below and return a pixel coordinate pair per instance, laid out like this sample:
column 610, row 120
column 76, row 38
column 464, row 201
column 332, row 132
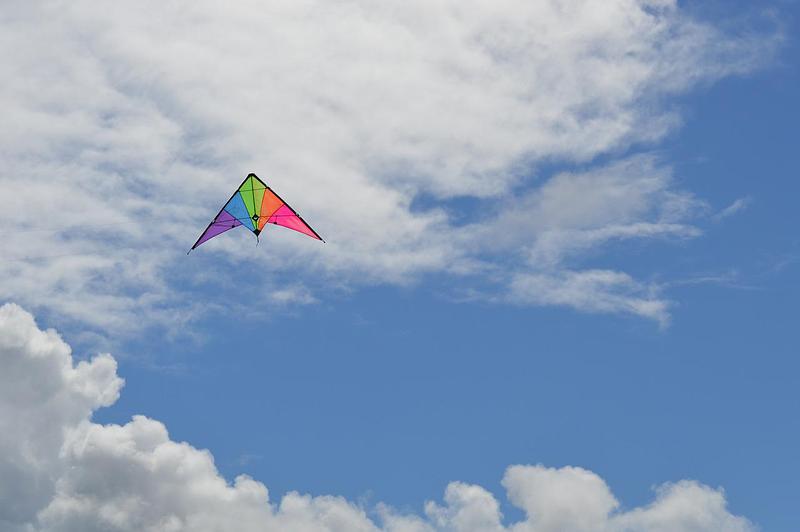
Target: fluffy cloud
column 60, row 472
column 132, row 121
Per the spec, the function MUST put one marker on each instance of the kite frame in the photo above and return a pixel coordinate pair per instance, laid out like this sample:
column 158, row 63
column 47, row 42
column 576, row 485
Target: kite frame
column 256, row 231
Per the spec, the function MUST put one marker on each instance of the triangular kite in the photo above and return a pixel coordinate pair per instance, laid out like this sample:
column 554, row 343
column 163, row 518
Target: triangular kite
column 253, row 206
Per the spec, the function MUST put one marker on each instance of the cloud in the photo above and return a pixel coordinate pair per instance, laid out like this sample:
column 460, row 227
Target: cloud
column 549, row 231
column 590, row 290
column 734, row 208
column 61, row 472
column 132, row 122
column 572, row 211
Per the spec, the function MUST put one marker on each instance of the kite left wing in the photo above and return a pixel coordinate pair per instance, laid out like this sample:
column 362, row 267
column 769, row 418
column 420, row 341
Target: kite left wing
column 253, row 206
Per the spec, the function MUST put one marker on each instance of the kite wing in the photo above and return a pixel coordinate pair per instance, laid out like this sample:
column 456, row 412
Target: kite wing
column 253, row 206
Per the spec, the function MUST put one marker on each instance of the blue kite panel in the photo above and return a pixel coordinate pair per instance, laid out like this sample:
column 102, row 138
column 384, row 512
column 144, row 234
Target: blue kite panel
column 238, row 210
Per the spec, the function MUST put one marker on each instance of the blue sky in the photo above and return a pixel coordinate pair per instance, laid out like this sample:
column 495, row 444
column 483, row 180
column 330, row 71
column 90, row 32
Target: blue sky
column 389, row 393
column 382, row 372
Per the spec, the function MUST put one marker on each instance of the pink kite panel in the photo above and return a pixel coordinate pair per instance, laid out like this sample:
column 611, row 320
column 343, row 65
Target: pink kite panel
column 285, row 217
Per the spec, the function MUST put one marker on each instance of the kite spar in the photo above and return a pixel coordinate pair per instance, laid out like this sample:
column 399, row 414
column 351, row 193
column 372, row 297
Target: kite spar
column 253, row 206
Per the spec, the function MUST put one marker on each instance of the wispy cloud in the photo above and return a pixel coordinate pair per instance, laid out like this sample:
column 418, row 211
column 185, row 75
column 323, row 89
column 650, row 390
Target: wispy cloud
column 541, row 237
column 129, row 130
column 590, row 291
column 733, row 209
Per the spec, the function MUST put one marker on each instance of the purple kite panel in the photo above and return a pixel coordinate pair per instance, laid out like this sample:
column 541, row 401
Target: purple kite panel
column 223, row 222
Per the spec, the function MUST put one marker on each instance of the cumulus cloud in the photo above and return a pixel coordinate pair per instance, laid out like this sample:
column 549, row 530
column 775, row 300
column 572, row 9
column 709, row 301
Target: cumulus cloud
column 61, row 472
column 132, row 121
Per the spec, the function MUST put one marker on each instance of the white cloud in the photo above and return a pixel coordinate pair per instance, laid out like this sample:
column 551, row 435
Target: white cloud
column 571, row 211
column 551, row 229
column 61, row 472
column 590, row 290
column 734, row 208
column 132, row 121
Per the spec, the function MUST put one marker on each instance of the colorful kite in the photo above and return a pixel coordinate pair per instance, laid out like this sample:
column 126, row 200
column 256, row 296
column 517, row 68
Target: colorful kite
column 253, row 206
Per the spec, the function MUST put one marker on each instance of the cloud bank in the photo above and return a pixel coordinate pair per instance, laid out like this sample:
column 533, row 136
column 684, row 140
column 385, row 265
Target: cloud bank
column 133, row 121
column 61, row 472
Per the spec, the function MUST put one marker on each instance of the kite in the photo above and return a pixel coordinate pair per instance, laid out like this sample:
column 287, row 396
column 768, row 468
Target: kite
column 253, row 206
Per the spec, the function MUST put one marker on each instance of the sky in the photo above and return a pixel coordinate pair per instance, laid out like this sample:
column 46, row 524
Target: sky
column 557, row 290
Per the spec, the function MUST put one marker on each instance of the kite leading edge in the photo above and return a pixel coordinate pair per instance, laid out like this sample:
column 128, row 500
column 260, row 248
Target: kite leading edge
column 253, row 206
